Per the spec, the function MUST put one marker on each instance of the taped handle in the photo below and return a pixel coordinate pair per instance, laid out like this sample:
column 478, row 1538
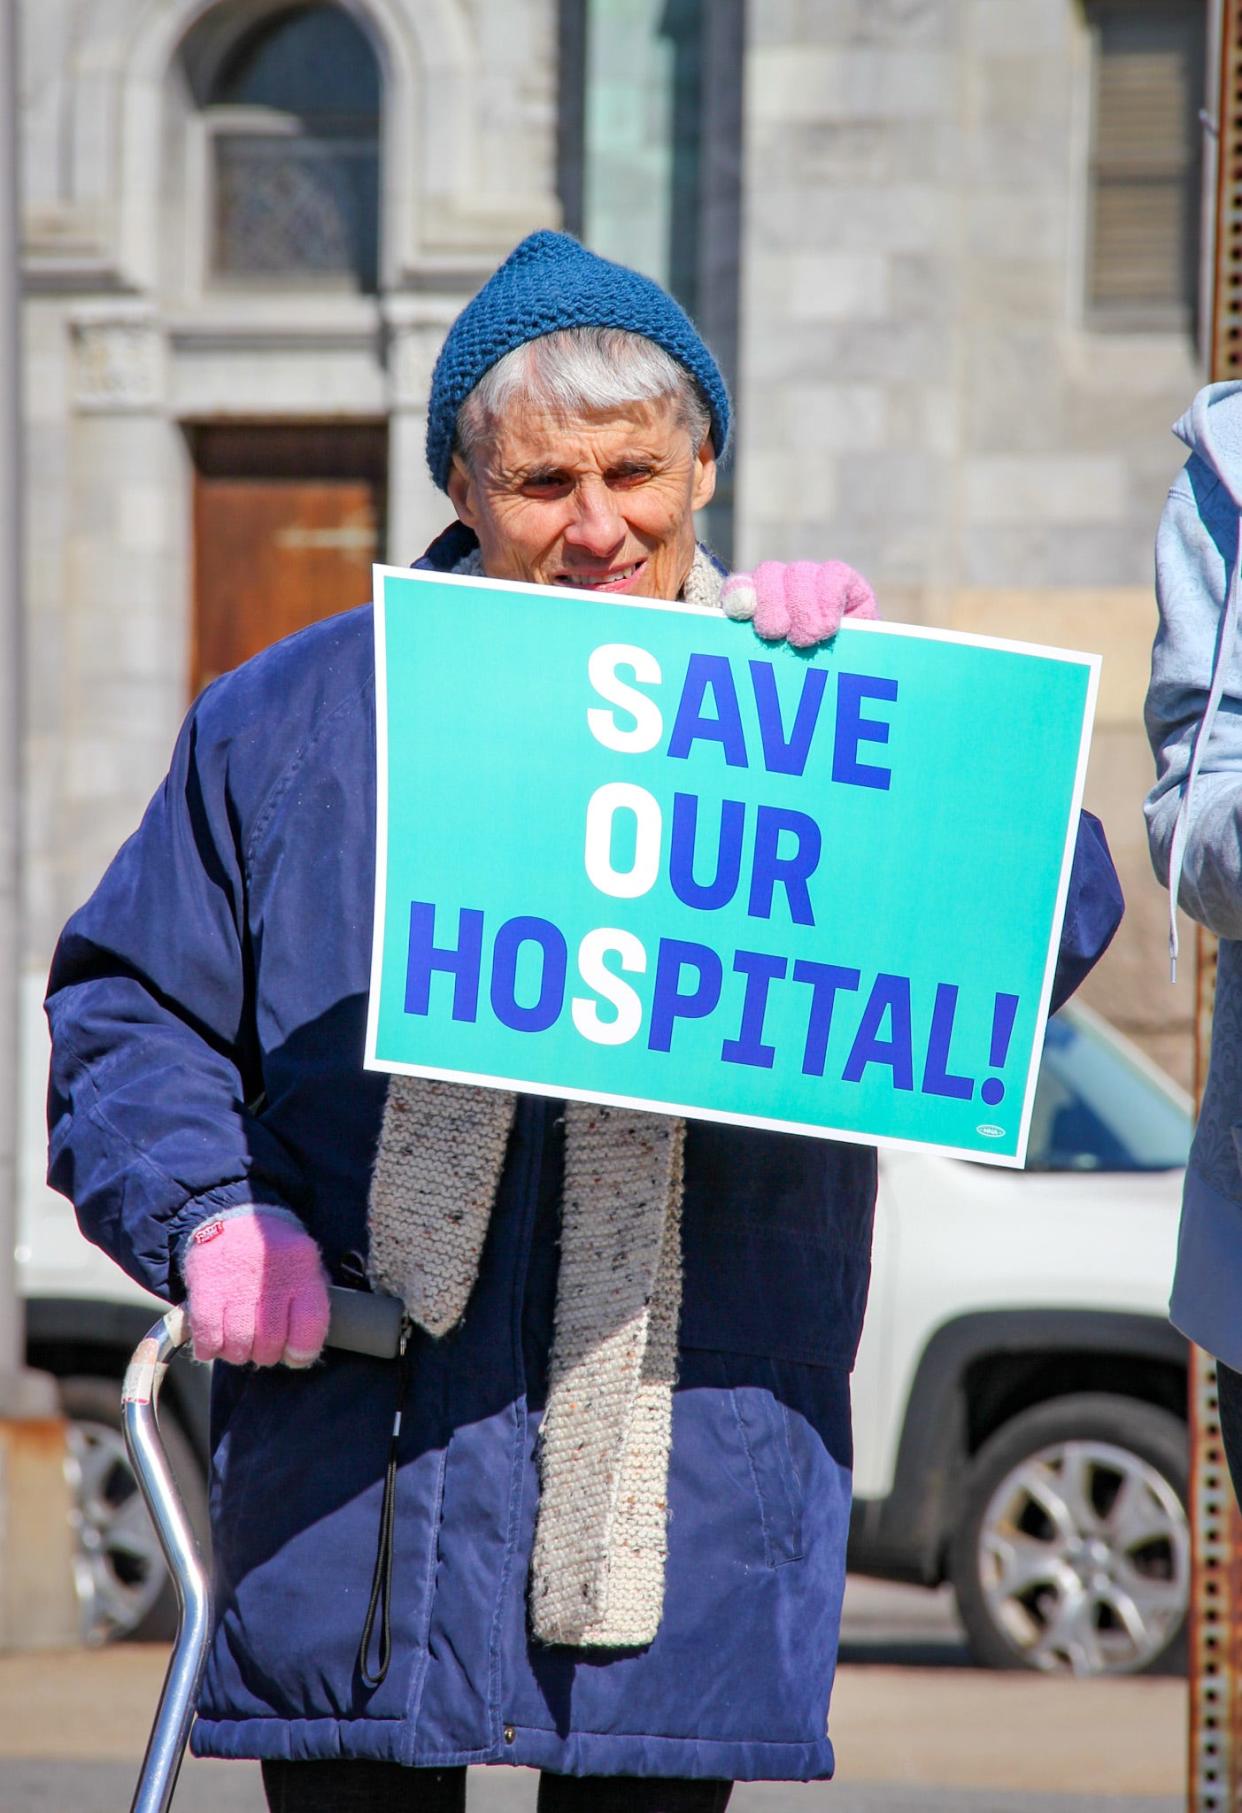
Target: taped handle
column 366, row 1322
column 145, row 1373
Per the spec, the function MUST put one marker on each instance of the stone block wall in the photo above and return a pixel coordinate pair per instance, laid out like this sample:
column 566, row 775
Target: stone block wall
column 124, row 344
column 923, row 393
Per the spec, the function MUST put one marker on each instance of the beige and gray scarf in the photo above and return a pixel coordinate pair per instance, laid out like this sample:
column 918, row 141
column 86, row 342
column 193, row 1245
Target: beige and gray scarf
column 601, row 1541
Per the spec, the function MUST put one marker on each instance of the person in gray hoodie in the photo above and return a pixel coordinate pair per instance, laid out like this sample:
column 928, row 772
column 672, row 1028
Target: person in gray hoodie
column 1194, row 826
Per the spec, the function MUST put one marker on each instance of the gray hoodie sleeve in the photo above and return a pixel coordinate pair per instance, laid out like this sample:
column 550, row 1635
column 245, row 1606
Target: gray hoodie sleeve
column 1195, row 552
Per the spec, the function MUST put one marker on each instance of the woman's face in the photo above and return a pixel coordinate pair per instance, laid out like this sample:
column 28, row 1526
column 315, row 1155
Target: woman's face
column 605, row 502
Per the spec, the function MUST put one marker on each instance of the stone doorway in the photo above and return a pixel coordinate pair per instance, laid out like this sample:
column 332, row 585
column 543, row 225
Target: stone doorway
column 287, row 521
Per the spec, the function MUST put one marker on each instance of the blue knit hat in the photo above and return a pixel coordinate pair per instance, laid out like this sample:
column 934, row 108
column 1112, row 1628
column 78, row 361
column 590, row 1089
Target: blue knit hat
column 547, row 283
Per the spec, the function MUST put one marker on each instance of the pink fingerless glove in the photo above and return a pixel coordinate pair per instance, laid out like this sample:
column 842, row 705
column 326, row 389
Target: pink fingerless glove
column 800, row 601
column 257, row 1291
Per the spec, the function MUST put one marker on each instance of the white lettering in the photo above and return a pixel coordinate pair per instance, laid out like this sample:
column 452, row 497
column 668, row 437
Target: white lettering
column 602, row 671
column 602, row 809
column 608, row 940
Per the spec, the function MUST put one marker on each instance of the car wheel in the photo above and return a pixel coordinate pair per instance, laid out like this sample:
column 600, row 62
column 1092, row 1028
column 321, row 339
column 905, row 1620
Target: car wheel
column 123, row 1586
column 1072, row 1552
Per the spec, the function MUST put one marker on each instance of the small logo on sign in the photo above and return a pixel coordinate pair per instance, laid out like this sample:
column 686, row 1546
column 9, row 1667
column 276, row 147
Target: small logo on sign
column 990, row 1130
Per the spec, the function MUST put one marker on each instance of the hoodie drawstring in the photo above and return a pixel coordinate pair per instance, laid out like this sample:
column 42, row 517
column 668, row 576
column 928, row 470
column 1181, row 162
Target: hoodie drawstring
column 1181, row 827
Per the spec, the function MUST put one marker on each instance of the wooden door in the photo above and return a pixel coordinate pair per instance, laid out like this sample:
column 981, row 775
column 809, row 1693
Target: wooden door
column 287, row 521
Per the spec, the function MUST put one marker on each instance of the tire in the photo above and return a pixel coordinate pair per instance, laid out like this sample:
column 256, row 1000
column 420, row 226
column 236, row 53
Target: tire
column 123, row 1586
column 1072, row 1551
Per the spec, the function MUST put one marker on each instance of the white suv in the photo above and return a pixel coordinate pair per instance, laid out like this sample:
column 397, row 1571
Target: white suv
column 1019, row 1399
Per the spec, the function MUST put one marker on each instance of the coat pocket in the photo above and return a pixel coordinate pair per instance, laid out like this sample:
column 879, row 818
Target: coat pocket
column 297, row 1496
column 761, row 1423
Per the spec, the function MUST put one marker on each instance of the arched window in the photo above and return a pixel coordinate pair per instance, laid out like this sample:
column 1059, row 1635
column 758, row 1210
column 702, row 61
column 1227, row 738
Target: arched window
column 293, row 121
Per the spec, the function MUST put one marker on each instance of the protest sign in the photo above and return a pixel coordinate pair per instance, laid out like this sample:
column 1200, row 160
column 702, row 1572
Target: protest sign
column 630, row 853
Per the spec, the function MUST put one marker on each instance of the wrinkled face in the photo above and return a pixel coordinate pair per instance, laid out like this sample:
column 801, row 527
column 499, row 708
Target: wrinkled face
column 604, row 501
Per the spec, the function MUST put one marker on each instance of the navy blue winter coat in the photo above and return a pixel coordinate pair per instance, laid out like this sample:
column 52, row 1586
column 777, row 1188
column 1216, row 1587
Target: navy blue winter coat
column 208, row 1008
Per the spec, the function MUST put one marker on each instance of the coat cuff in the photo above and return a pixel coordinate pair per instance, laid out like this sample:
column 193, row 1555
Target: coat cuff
column 221, row 1204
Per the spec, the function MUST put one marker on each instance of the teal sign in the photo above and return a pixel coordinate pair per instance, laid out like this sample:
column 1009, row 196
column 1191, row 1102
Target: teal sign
column 629, row 852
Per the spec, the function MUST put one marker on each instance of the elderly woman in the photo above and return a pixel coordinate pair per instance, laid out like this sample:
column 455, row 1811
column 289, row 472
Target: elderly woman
column 644, row 1603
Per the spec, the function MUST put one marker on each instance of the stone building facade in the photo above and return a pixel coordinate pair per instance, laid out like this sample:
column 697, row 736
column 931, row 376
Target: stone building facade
column 879, row 209
column 133, row 344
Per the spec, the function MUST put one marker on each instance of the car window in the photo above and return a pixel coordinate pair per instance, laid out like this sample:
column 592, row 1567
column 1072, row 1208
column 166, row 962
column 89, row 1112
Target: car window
column 1095, row 1110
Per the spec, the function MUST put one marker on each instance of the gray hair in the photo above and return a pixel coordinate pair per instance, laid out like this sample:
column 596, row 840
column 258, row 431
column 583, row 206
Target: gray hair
column 579, row 370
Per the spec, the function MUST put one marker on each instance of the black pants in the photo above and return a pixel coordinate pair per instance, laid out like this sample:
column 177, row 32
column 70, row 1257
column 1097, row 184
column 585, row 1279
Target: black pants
column 1229, row 1396
column 349, row 1787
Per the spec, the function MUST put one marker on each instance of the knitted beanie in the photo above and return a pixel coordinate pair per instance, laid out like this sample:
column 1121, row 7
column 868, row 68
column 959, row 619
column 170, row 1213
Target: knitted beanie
column 547, row 283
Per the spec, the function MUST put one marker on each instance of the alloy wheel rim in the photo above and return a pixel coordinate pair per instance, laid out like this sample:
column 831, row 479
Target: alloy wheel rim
column 1084, row 1559
column 118, row 1569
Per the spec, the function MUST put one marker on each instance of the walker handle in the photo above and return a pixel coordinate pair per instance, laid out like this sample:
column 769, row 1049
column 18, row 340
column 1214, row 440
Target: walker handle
column 359, row 1322
column 367, row 1322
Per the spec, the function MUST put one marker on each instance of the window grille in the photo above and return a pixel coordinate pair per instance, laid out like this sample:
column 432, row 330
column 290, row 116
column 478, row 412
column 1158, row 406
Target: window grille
column 1143, row 262
column 293, row 129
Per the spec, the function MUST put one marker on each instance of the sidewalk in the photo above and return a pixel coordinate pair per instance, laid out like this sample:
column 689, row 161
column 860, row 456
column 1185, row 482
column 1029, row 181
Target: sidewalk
column 73, row 1727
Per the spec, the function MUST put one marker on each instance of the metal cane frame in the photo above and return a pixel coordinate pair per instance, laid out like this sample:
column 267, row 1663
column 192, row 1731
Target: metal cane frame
column 361, row 1322
column 139, row 1411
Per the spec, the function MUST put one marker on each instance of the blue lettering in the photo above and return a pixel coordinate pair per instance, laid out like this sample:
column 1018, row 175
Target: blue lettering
column 668, row 1002
column 786, row 754
column 461, row 962
column 937, row 1078
column 852, row 729
column 889, row 998
column 760, row 972
column 792, row 871
column 704, row 674
column 825, row 980
column 720, row 890
column 546, row 1008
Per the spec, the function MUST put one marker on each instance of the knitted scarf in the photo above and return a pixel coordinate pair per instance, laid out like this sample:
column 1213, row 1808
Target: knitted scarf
column 601, row 1540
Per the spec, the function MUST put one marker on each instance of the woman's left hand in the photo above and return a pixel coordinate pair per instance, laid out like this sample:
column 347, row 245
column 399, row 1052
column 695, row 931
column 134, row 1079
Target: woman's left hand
column 799, row 601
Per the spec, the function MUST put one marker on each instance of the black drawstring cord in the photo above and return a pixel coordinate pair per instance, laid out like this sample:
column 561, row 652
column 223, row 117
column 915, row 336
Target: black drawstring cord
column 381, row 1580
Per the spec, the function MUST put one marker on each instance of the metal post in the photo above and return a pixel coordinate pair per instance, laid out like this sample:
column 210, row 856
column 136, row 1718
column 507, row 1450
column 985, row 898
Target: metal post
column 11, row 1344
column 1214, row 1782
column 36, row 1581
column 1215, row 1749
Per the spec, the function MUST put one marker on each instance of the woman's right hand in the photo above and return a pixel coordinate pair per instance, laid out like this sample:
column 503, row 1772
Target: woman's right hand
column 257, row 1290
column 802, row 602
